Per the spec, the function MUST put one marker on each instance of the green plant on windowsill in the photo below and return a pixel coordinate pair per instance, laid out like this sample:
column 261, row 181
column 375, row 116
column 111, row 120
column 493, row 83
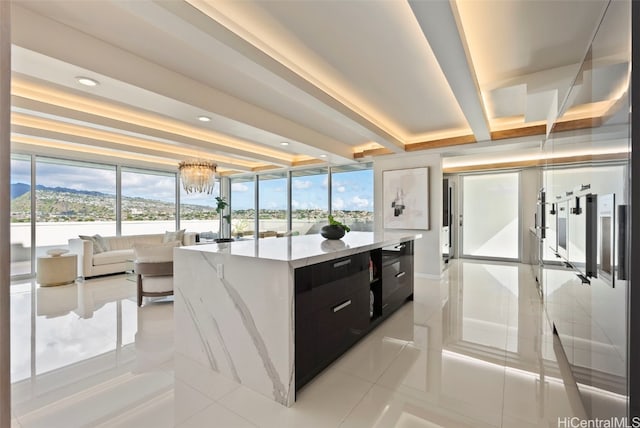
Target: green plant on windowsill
column 221, row 204
column 335, row 229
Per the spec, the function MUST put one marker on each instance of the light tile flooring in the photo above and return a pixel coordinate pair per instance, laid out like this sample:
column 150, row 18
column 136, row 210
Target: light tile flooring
column 472, row 350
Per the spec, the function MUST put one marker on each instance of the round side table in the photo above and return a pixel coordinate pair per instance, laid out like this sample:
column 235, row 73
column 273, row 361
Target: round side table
column 58, row 270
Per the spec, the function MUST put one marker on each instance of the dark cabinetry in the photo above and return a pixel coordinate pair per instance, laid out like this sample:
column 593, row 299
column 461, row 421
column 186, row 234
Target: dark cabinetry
column 339, row 301
column 332, row 311
column 397, row 276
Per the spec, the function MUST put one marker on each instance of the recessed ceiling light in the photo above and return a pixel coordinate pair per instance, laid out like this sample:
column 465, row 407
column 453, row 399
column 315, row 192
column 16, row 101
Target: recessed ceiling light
column 323, row 156
column 87, row 81
column 204, row 118
column 284, row 143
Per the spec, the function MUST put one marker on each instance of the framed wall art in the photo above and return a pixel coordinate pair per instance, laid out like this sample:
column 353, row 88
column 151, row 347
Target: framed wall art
column 405, row 198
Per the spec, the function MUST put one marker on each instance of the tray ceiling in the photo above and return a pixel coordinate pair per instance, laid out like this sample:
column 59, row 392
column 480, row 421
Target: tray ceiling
column 337, row 81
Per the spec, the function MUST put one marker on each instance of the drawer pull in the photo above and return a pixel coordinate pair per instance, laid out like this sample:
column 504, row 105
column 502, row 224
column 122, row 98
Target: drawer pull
column 400, row 246
column 342, row 263
column 401, row 274
column 341, row 306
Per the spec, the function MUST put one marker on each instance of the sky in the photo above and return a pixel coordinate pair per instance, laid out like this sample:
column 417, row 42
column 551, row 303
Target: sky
column 351, row 190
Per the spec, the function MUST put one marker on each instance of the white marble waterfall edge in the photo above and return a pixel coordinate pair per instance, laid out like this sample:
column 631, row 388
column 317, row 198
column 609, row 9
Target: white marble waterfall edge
column 240, row 326
column 234, row 304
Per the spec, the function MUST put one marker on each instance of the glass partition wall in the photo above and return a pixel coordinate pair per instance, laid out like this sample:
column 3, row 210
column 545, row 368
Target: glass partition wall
column 588, row 201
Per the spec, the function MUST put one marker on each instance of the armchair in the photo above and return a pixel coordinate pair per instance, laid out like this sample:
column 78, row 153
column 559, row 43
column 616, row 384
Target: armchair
column 153, row 267
column 154, row 279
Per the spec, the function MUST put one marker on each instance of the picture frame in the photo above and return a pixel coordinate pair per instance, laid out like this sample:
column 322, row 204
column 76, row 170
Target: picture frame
column 405, row 198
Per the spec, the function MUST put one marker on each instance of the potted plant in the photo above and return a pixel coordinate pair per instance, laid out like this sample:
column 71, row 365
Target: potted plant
column 335, row 229
column 221, row 205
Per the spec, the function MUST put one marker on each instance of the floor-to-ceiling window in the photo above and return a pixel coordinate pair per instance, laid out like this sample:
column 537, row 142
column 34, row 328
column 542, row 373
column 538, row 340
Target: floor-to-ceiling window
column 272, row 204
column 20, row 215
column 490, row 215
column 73, row 198
column 243, row 206
column 351, row 200
column 148, row 201
column 198, row 211
column 352, row 196
column 80, row 198
column 309, row 200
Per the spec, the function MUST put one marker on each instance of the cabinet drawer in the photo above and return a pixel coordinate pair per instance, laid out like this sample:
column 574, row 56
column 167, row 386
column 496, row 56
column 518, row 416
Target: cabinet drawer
column 331, row 293
column 327, row 272
column 341, row 324
column 395, row 276
column 395, row 300
column 393, row 252
column 306, row 358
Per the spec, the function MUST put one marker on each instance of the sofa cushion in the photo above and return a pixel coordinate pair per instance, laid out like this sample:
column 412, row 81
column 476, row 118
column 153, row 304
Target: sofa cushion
column 100, row 244
column 126, row 242
column 157, row 284
column 155, row 253
column 113, row 256
column 178, row 235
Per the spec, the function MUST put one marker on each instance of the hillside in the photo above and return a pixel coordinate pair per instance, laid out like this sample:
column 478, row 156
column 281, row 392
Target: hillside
column 62, row 204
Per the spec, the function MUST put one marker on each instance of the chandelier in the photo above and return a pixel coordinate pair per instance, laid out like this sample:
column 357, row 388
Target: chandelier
column 198, row 176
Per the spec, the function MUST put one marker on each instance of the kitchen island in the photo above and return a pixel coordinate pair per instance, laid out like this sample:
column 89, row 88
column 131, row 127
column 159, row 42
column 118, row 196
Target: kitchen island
column 272, row 313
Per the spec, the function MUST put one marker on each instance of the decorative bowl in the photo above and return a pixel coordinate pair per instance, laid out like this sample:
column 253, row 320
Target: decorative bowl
column 223, row 240
column 331, row 245
column 332, row 231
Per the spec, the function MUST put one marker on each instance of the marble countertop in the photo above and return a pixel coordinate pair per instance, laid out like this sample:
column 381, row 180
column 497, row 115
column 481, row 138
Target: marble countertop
column 306, row 249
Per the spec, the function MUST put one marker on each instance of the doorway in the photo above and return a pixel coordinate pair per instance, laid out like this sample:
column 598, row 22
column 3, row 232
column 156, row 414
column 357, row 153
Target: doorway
column 490, row 216
column 447, row 237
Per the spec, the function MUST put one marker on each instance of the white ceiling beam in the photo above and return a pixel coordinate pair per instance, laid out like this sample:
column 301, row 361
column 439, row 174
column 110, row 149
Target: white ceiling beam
column 65, row 114
column 62, row 137
column 72, row 153
column 439, row 23
column 221, row 34
column 84, row 51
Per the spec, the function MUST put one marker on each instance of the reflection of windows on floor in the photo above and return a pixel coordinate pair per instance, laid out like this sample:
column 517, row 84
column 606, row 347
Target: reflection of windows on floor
column 98, row 316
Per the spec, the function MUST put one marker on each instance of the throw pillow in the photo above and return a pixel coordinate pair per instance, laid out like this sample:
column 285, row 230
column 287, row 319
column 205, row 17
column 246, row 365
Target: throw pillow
column 178, row 235
column 155, row 253
column 100, row 245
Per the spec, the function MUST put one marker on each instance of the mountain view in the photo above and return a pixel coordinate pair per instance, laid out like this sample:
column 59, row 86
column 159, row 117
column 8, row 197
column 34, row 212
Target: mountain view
column 55, row 204
column 60, row 204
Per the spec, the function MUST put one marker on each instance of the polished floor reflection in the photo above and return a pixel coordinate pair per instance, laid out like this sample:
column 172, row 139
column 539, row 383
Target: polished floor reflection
column 472, row 350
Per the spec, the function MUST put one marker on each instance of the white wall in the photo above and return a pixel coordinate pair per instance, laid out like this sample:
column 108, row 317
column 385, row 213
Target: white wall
column 428, row 250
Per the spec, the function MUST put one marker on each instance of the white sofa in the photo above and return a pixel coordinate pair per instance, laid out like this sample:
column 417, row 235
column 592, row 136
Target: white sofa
column 119, row 256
